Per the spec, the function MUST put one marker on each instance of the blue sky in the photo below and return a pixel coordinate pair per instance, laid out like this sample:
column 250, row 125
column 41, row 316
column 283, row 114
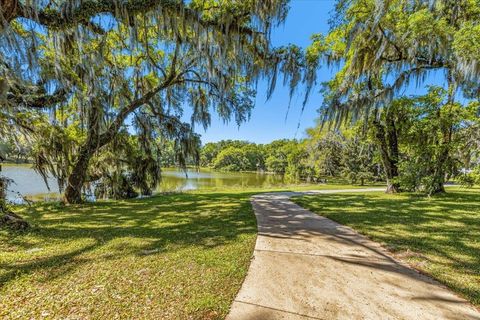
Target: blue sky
column 272, row 119
column 269, row 120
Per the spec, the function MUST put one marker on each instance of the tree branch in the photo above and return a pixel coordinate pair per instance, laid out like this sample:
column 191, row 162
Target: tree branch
column 37, row 101
column 67, row 15
column 134, row 105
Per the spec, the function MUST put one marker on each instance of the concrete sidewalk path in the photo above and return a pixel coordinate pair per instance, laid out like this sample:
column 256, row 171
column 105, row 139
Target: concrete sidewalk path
column 308, row 267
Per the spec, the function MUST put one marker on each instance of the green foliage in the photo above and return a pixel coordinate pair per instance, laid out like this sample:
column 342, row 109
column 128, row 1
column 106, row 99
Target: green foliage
column 429, row 145
column 380, row 49
column 235, row 156
column 359, row 165
column 383, row 46
column 324, row 151
column 321, row 155
column 282, row 157
column 467, row 43
column 232, row 159
column 124, row 167
column 344, row 152
column 275, row 164
column 469, row 179
column 14, row 146
column 296, row 169
column 104, row 63
column 466, row 180
column 208, row 153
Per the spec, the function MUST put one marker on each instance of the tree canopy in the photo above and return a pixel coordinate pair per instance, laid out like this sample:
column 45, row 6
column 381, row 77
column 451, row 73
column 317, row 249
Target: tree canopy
column 100, row 89
column 99, row 64
column 383, row 46
column 380, row 49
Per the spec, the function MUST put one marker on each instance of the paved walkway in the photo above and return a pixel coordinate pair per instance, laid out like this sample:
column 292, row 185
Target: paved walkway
column 308, row 267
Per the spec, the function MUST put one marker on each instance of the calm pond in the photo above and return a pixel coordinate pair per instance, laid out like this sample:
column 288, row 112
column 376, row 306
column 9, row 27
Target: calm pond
column 29, row 183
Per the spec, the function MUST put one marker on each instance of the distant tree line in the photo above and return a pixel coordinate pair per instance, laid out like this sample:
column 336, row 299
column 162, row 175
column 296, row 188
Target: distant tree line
column 324, row 154
column 416, row 144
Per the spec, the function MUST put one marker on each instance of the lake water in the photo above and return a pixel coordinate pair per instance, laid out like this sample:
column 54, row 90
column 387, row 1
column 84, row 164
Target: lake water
column 29, row 183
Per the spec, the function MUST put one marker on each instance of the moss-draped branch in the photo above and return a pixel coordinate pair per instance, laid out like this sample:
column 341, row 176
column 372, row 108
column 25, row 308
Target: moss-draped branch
column 69, row 15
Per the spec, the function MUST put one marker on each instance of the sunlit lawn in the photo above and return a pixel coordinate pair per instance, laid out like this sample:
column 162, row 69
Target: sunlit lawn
column 168, row 257
column 439, row 235
column 333, row 185
column 174, row 256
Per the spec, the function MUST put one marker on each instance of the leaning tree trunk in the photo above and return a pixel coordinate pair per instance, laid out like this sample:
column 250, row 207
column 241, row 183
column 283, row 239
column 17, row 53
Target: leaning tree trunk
column 96, row 140
column 438, row 177
column 75, row 181
column 391, row 173
column 438, row 182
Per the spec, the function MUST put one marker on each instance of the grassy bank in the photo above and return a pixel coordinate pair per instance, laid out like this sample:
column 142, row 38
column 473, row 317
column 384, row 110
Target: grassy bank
column 14, row 164
column 439, row 236
column 292, row 187
column 167, row 257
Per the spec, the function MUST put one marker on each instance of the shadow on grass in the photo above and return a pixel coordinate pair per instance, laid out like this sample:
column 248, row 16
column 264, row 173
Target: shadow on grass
column 164, row 222
column 442, row 231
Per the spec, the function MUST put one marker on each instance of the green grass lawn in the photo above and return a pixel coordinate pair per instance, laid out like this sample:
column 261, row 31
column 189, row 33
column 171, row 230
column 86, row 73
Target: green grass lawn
column 439, row 236
column 177, row 256
column 296, row 187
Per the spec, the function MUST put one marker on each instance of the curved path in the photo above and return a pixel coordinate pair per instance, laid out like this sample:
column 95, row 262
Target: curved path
column 308, row 267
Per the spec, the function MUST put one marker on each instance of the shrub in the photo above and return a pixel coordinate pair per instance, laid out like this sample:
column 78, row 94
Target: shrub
column 466, row 180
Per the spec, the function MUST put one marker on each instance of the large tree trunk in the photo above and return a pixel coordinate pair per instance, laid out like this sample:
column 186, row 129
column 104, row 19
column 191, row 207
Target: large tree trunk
column 439, row 174
column 437, row 184
column 387, row 141
column 96, row 140
column 75, row 181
